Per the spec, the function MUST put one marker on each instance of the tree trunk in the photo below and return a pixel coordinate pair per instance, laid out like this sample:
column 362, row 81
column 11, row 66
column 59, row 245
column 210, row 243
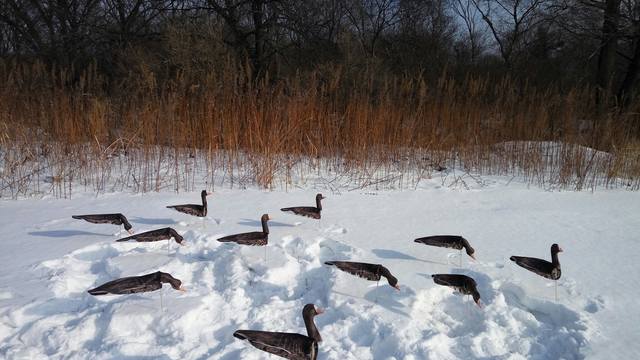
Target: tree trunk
column 626, row 89
column 608, row 48
column 258, row 53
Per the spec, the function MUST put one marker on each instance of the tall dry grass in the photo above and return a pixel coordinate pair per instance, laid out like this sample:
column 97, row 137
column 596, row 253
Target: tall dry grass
column 368, row 129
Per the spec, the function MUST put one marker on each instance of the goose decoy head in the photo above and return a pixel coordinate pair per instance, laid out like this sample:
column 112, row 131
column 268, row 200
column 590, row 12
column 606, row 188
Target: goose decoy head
column 127, row 227
column 205, row 193
column 467, row 247
column 320, row 197
column 476, row 297
column 555, row 249
column 311, row 310
column 265, row 217
column 179, row 239
column 393, row 281
column 175, row 283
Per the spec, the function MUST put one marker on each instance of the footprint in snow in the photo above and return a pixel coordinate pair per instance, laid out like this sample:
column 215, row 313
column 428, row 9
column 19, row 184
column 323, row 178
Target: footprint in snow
column 334, row 229
column 594, row 305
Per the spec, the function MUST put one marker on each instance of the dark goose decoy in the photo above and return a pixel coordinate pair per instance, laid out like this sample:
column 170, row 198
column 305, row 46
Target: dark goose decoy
column 137, row 284
column 288, row 345
column 462, row 283
column 308, row 211
column 255, row 238
column 550, row 270
column 194, row 209
column 448, row 241
column 367, row 271
column 156, row 235
column 115, row 219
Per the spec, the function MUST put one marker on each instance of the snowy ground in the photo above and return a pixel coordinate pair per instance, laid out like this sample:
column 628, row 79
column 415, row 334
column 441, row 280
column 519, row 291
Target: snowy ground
column 49, row 260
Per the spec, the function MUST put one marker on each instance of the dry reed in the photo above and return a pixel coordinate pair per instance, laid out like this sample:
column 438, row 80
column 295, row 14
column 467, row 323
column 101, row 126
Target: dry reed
column 367, row 130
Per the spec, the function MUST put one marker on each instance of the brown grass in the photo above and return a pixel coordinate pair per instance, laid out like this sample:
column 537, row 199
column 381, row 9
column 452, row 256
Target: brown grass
column 365, row 129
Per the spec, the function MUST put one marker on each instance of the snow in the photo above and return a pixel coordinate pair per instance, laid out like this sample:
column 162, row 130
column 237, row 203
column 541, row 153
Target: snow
column 49, row 261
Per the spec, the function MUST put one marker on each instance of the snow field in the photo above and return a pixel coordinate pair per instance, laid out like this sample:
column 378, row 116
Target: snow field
column 52, row 260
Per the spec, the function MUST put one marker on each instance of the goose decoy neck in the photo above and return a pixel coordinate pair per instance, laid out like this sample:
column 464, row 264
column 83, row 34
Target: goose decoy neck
column 319, row 197
column 176, row 236
column 167, row 278
column 555, row 249
column 476, row 296
column 308, row 313
column 393, row 281
column 203, row 195
column 125, row 222
column 467, row 247
column 265, row 227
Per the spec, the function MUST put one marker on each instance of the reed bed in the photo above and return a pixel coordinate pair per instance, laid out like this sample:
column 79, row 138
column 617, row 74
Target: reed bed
column 61, row 134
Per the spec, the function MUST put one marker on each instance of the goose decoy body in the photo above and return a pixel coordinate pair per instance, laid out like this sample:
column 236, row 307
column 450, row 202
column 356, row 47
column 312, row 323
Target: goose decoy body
column 308, row 211
column 367, row 271
column 255, row 238
column 288, row 345
column 462, row 283
column 194, row 209
column 137, row 284
column 115, row 219
column 550, row 270
column 448, row 241
column 155, row 235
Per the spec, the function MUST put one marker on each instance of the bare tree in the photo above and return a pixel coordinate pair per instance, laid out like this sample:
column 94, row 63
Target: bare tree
column 248, row 24
column 369, row 19
column 125, row 21
column 469, row 15
column 61, row 30
column 510, row 22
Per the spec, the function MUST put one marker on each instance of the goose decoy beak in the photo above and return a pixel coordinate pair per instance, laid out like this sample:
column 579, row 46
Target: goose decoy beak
column 479, row 303
column 182, row 288
column 560, row 249
column 182, row 243
column 473, row 257
column 209, row 193
column 130, row 232
column 319, row 311
column 397, row 287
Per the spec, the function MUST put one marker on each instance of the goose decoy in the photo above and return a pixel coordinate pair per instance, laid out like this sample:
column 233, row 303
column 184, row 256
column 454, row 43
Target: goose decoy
column 288, row 345
column 194, row 209
column 367, row 271
column 255, row 238
column 115, row 219
column 462, row 283
column 448, row 241
column 550, row 270
column 137, row 284
column 155, row 235
column 308, row 211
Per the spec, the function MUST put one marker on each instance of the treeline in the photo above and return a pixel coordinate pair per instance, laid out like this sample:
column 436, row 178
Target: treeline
column 560, row 43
